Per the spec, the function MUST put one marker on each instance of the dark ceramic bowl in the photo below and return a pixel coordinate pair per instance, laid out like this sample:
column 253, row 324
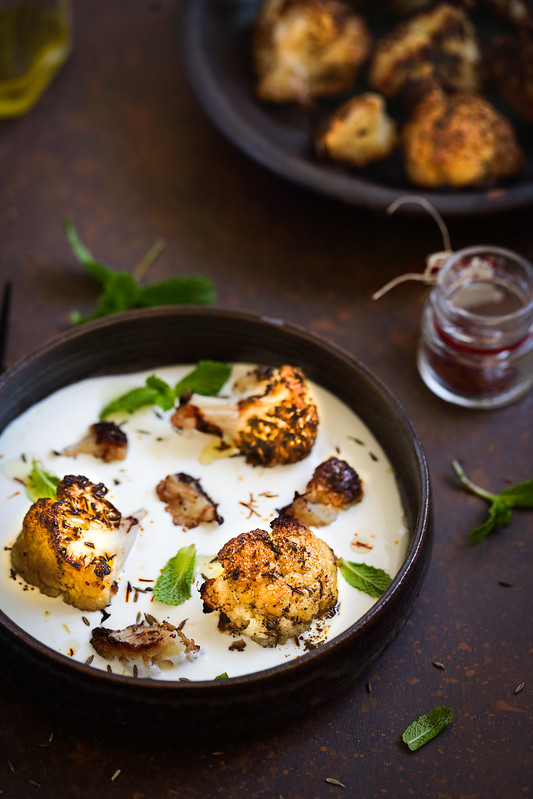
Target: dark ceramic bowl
column 150, row 338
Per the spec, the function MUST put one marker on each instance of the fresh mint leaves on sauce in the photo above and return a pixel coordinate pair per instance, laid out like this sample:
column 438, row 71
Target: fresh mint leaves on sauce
column 207, row 378
column 41, row 483
column 173, row 586
column 122, row 290
column 365, row 578
column 427, row 726
column 500, row 505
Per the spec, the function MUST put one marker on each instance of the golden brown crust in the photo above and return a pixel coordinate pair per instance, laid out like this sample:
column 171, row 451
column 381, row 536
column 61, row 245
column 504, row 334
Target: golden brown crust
column 460, row 140
column 436, row 48
column 273, row 584
column 73, row 545
column 304, row 49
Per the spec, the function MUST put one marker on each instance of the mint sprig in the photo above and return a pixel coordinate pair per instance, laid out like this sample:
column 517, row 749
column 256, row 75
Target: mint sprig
column 500, row 505
column 427, row 726
column 122, row 290
column 369, row 579
column 41, row 483
column 207, row 378
column 173, row 586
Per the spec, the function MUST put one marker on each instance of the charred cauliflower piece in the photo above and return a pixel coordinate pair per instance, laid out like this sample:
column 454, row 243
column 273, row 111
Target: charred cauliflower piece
column 359, row 132
column 458, row 141
column 187, row 502
column 334, row 487
column 304, row 49
column 439, row 48
column 271, row 418
column 147, row 646
column 273, row 586
column 105, row 440
column 512, row 69
column 74, row 545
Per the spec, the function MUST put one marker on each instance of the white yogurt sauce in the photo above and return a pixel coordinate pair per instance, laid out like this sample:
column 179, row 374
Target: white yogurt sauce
column 373, row 531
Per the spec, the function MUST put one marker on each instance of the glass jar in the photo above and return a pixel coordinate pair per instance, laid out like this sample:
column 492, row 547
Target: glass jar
column 476, row 342
column 35, row 41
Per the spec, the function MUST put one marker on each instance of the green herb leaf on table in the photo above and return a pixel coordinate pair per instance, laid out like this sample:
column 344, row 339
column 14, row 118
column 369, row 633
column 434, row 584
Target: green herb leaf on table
column 500, row 505
column 41, row 483
column 427, row 726
column 365, row 578
column 173, row 586
column 207, row 379
column 122, row 289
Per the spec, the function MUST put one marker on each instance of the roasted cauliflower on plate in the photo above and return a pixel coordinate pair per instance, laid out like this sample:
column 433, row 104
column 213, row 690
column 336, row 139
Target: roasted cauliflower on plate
column 334, row 487
column 74, row 546
column 304, row 49
column 459, row 140
column 271, row 417
column 273, row 585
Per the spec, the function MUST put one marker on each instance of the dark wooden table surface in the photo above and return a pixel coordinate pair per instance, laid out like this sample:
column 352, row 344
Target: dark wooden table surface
column 119, row 144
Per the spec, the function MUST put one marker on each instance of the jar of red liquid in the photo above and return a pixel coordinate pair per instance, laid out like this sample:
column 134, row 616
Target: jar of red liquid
column 476, row 343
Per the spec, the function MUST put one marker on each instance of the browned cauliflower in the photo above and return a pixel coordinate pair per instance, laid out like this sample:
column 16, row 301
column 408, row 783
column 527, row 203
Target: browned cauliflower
column 147, row 646
column 512, row 69
column 460, row 140
column 272, row 418
column 439, row 47
column 74, row 545
column 105, row 440
column 304, row 49
column 358, row 132
column 187, row 502
column 273, row 586
column 334, row 486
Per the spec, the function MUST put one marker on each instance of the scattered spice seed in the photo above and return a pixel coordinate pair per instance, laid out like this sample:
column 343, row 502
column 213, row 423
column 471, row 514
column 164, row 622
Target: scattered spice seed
column 135, row 670
column 519, row 687
column 505, row 584
column 373, row 457
column 34, row 782
column 333, row 781
column 110, row 670
column 150, row 619
column 438, row 664
column 86, row 621
column 369, row 687
column 115, row 775
column 89, row 660
column 138, row 618
column 11, row 766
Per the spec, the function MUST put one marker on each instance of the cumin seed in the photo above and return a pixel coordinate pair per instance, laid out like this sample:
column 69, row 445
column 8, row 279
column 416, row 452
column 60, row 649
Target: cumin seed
column 34, row 782
column 519, row 687
column 150, row 619
column 333, row 781
column 505, row 584
column 86, row 621
column 135, row 670
column 369, row 687
column 109, row 669
column 11, row 766
column 115, row 775
column 89, row 660
column 438, row 664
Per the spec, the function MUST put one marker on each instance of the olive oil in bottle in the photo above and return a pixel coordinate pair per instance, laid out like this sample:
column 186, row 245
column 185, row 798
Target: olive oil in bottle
column 35, row 41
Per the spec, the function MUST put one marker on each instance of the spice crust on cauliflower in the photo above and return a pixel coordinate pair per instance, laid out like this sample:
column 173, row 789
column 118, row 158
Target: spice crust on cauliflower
column 75, row 545
column 273, row 585
column 334, row 487
column 275, row 422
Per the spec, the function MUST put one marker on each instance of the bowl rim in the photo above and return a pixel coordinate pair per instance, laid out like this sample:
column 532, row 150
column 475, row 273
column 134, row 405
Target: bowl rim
column 420, row 534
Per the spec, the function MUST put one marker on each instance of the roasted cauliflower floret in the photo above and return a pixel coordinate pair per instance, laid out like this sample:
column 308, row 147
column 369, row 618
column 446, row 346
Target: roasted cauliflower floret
column 512, row 69
column 147, row 646
column 439, row 48
column 458, row 141
column 334, row 487
column 359, row 132
column 187, row 502
column 74, row 545
column 273, row 586
column 105, row 440
column 271, row 418
column 304, row 49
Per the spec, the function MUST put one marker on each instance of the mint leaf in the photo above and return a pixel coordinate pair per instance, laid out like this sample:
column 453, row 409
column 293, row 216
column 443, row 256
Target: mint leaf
column 426, row 727
column 165, row 396
column 173, row 586
column 183, row 290
column 500, row 505
column 122, row 290
column 41, row 483
column 223, row 676
column 365, row 578
column 206, row 379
